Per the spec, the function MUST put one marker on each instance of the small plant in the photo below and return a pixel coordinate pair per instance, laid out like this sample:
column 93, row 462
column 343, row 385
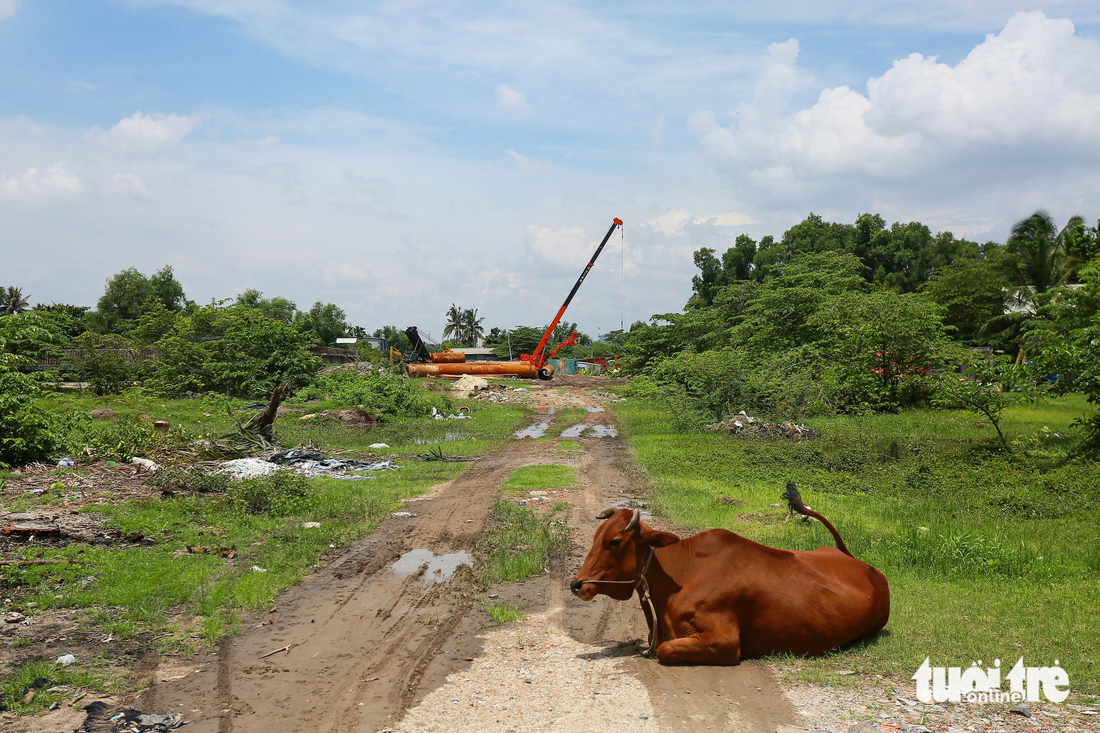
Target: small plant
column 503, row 612
column 279, row 493
column 21, row 641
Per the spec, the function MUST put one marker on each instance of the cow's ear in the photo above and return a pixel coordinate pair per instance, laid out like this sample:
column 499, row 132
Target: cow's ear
column 654, row 538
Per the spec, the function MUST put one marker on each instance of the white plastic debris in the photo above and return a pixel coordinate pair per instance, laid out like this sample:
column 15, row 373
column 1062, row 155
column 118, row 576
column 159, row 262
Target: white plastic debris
column 376, row 446
column 311, row 525
column 258, row 569
column 66, row 462
column 66, row 660
column 242, row 468
column 150, row 466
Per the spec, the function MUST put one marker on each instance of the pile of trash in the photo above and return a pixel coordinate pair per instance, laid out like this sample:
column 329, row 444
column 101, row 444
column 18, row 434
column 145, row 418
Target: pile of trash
column 744, row 425
column 312, row 463
column 501, row 395
column 309, row 462
column 103, row 718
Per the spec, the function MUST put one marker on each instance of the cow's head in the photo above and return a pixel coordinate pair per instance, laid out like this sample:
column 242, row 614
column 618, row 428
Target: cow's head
column 619, row 550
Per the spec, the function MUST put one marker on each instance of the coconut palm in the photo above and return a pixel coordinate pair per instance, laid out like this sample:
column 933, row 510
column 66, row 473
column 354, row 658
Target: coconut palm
column 1037, row 261
column 471, row 327
column 13, row 302
column 455, row 325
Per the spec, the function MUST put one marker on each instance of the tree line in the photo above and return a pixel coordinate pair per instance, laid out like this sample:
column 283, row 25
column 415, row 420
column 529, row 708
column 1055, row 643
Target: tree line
column 836, row 317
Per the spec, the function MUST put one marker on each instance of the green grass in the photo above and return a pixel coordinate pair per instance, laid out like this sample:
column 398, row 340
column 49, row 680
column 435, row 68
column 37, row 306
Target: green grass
column 517, row 543
column 15, row 683
column 502, row 612
column 545, row 476
column 133, row 589
column 1010, row 554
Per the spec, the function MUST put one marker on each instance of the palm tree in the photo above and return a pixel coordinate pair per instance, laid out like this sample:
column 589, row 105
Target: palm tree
column 1038, row 261
column 471, row 327
column 13, row 302
column 455, row 324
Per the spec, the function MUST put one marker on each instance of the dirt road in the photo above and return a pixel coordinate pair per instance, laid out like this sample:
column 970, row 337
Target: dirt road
column 367, row 649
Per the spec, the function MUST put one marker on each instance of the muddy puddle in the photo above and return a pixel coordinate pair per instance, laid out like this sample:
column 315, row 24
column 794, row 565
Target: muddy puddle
column 440, row 567
column 533, row 431
column 593, row 409
column 597, row 431
column 544, row 409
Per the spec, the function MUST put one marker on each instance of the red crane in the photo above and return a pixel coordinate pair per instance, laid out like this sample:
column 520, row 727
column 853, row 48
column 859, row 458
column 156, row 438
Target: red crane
column 539, row 358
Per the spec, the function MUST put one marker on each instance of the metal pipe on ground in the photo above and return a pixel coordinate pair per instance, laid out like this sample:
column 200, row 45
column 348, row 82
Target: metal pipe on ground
column 449, row 357
column 521, row 369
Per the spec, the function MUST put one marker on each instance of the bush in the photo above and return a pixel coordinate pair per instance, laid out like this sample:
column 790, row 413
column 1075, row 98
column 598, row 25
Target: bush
column 27, row 432
column 379, row 392
column 281, row 493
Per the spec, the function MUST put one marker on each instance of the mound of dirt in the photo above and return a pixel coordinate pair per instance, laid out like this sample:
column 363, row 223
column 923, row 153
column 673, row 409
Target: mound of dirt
column 355, row 418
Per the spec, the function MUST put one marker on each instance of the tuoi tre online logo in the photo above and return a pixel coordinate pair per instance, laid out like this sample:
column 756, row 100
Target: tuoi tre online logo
column 978, row 685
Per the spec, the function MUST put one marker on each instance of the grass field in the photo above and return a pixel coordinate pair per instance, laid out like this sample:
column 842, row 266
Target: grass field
column 988, row 555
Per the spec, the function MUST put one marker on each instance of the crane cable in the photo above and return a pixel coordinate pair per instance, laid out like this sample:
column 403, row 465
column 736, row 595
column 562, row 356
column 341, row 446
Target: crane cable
column 622, row 279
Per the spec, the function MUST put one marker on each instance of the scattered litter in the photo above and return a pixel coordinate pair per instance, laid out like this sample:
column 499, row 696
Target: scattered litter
column 1021, row 710
column 258, row 569
column 750, row 427
column 377, row 446
column 66, row 463
column 66, row 660
column 311, row 525
column 100, row 716
column 845, row 672
column 437, row 415
column 402, row 514
column 161, row 426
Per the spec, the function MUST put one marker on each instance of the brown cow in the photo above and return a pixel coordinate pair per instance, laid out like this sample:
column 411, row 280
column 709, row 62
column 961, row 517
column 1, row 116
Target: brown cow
column 716, row 597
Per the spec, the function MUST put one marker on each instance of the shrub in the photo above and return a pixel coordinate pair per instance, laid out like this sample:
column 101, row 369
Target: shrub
column 280, row 493
column 191, row 479
column 379, row 392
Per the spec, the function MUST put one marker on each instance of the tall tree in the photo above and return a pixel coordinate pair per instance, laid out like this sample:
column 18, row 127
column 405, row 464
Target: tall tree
column 129, row 293
column 454, row 326
column 1036, row 259
column 13, row 302
column 327, row 320
column 472, row 329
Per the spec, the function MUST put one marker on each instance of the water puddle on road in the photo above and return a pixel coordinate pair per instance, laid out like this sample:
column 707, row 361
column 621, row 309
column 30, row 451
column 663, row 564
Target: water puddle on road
column 598, row 431
column 641, row 506
column 533, row 431
column 545, row 409
column 594, row 409
column 440, row 567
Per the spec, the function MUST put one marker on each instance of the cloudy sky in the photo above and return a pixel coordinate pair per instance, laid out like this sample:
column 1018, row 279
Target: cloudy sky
column 395, row 157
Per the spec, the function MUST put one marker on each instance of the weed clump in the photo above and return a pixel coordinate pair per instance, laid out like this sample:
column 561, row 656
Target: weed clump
column 190, row 479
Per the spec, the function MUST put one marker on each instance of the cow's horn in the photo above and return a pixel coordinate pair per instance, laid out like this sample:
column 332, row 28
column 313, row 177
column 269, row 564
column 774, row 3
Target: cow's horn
column 633, row 521
column 605, row 513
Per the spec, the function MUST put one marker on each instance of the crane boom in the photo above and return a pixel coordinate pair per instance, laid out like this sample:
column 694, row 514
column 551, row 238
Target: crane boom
column 538, row 358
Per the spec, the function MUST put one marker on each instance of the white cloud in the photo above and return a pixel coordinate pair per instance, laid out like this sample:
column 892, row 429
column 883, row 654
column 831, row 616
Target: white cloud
column 511, row 100
column 53, row 182
column 728, row 219
column 147, row 132
column 1035, row 86
column 561, row 249
column 670, row 223
column 7, row 8
column 127, row 184
column 673, row 223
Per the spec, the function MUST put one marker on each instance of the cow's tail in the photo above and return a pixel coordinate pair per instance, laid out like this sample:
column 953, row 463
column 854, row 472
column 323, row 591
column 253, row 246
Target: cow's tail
column 794, row 501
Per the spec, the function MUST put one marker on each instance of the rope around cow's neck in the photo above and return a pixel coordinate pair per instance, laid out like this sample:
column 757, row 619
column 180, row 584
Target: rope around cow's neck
column 647, row 598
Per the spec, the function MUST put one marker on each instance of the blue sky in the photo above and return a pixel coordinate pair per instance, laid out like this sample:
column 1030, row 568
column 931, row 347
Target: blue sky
column 396, row 157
